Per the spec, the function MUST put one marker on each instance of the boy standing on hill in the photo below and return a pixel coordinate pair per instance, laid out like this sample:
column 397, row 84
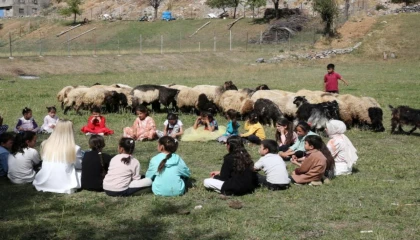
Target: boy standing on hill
column 331, row 80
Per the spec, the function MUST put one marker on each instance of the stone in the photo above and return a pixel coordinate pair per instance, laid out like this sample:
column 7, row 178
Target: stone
column 260, row 60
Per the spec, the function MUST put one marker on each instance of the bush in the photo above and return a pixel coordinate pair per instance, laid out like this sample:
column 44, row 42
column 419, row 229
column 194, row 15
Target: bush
column 380, row 7
column 407, row 2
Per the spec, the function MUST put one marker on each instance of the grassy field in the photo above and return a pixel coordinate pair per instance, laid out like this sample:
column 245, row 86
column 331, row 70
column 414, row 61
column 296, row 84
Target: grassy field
column 382, row 195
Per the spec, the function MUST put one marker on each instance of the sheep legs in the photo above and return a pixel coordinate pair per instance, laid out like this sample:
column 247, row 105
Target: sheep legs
column 412, row 130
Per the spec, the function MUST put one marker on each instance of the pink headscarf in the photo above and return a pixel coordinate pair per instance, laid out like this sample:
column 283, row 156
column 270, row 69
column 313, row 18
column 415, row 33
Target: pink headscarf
column 336, row 129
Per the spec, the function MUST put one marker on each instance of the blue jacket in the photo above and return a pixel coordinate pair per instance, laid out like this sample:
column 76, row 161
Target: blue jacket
column 4, row 167
column 299, row 145
column 232, row 130
column 168, row 182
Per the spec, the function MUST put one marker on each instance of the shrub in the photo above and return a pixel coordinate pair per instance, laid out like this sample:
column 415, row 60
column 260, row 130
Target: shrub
column 380, row 7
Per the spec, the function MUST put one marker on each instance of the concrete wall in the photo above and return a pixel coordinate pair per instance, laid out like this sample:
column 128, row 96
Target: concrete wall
column 16, row 8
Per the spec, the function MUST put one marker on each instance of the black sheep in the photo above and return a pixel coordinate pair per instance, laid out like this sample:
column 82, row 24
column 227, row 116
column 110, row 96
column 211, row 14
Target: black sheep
column 267, row 111
column 205, row 105
column 404, row 115
column 316, row 114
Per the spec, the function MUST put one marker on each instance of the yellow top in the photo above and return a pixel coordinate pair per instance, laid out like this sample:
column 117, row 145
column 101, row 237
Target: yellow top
column 255, row 129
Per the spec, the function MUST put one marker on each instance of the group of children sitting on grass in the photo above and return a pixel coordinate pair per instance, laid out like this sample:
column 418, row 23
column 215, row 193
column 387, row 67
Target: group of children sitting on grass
column 66, row 168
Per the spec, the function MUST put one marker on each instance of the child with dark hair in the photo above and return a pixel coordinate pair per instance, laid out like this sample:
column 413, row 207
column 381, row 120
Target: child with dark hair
column 173, row 127
column 167, row 170
column 303, row 130
column 3, row 128
column 96, row 124
column 237, row 176
column 331, row 80
column 144, row 127
column 6, row 143
column 232, row 126
column 123, row 177
column 255, row 130
column 23, row 158
column 50, row 120
column 27, row 122
column 205, row 128
column 315, row 165
column 276, row 176
column 285, row 136
column 95, row 165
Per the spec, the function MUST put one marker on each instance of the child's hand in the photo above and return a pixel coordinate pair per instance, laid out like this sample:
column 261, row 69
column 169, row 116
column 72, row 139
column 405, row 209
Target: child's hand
column 214, row 173
column 21, row 129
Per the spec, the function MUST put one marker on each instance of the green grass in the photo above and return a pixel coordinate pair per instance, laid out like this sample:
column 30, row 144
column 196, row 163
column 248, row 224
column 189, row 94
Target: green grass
column 382, row 195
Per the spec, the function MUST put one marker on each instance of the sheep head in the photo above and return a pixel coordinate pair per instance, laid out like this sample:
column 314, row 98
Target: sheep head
column 299, row 100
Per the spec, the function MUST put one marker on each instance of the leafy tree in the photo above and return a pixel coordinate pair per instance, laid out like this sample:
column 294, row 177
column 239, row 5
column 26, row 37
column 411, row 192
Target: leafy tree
column 223, row 4
column 73, row 7
column 328, row 10
column 276, row 8
column 155, row 4
column 255, row 4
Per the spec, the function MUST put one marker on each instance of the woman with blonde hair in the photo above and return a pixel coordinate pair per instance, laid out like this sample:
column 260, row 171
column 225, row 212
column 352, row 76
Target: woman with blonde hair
column 62, row 159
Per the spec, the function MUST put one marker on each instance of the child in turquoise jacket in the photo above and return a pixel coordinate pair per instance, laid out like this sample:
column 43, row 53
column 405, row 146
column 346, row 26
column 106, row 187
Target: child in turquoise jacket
column 167, row 170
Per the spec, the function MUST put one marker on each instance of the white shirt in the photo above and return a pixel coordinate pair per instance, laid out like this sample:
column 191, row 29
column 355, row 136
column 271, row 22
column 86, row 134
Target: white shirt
column 21, row 166
column 48, row 123
column 274, row 168
column 59, row 177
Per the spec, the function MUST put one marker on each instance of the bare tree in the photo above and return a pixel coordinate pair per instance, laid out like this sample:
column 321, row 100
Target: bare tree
column 155, row 4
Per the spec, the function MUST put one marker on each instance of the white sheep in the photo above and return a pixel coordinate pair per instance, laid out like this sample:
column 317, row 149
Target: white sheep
column 73, row 96
column 315, row 97
column 283, row 99
column 236, row 100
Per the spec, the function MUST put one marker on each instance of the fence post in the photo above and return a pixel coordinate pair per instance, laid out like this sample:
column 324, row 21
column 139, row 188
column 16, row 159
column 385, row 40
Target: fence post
column 119, row 52
column 140, row 46
column 94, row 45
column 214, row 41
column 199, row 46
column 10, row 46
column 260, row 40
column 161, row 44
column 230, row 40
column 68, row 44
column 180, row 42
column 40, row 45
column 246, row 44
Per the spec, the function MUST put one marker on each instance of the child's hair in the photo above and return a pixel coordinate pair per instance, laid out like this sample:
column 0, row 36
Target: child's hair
column 207, row 114
column 289, row 135
column 170, row 145
column 242, row 159
column 317, row 143
column 26, row 110
column 172, row 116
column 304, row 126
column 271, row 145
column 60, row 146
column 142, row 109
column 232, row 114
column 330, row 66
column 253, row 118
column 97, row 143
column 52, row 108
column 5, row 137
column 128, row 145
column 19, row 143
column 95, row 109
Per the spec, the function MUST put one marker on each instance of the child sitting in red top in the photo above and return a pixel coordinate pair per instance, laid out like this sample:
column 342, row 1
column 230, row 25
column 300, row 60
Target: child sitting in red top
column 331, row 80
column 96, row 124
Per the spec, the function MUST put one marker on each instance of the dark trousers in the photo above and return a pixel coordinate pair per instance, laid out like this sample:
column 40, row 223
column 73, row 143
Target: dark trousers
column 284, row 148
column 125, row 193
column 262, row 180
column 253, row 139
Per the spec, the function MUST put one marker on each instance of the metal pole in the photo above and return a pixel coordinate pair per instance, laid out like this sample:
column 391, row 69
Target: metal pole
column 179, row 42
column 261, row 40
column 214, row 41
column 140, row 46
column 199, row 47
column 40, row 46
column 230, row 40
column 94, row 45
column 161, row 44
column 68, row 44
column 246, row 44
column 10, row 46
column 119, row 52
column 277, row 39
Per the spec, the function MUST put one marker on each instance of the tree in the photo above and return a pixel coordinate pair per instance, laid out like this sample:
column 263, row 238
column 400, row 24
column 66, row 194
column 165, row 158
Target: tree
column 328, row 10
column 155, row 4
column 276, row 8
column 255, row 4
column 73, row 7
column 223, row 4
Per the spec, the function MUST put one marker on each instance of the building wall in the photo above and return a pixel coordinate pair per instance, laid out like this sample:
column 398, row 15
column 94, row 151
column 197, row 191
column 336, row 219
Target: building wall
column 22, row 7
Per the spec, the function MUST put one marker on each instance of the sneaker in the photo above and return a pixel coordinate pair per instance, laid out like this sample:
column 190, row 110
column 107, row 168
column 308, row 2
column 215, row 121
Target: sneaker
column 315, row 183
column 100, row 134
column 326, row 181
column 88, row 134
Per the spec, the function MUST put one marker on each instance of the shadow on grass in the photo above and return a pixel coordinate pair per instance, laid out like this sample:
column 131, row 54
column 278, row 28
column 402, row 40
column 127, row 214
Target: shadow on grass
column 28, row 214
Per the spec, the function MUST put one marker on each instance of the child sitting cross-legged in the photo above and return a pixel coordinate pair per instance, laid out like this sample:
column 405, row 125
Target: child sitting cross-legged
column 96, row 124
column 167, row 170
column 276, row 176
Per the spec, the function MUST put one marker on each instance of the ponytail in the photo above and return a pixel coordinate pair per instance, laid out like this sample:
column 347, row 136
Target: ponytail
column 128, row 145
column 170, row 145
column 97, row 143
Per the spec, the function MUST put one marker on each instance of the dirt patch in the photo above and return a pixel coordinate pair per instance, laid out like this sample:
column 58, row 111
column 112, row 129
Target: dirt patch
column 350, row 33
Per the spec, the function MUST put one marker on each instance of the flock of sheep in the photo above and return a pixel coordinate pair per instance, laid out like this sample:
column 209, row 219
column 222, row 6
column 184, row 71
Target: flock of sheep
column 316, row 107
